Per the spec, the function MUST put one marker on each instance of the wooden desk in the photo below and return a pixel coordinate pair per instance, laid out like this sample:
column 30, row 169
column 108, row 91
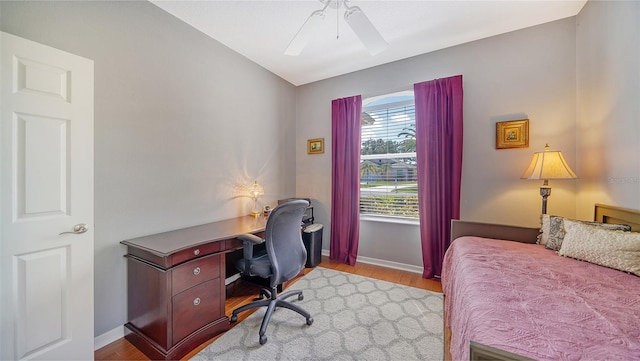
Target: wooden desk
column 175, row 285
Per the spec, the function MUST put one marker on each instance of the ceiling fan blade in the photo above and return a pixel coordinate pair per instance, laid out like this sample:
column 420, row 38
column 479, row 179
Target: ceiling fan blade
column 300, row 40
column 364, row 29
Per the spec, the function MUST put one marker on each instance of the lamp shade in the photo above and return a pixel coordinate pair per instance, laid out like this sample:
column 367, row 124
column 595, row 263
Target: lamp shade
column 548, row 165
column 256, row 190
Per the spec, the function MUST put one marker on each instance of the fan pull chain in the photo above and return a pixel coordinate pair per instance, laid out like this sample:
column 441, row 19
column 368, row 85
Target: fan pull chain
column 338, row 3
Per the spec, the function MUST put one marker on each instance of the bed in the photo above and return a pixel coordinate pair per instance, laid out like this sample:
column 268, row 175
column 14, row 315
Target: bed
column 506, row 294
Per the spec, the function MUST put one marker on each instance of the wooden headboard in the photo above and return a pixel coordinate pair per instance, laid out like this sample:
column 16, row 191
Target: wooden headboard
column 603, row 213
column 611, row 214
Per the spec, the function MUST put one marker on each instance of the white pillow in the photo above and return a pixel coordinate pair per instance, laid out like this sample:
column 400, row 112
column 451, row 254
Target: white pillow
column 615, row 249
column 552, row 230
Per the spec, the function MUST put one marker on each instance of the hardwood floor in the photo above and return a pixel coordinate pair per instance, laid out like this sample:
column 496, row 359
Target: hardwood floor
column 243, row 292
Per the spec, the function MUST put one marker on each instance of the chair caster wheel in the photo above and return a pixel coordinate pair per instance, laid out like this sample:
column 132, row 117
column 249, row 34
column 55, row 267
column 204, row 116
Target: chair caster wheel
column 263, row 339
column 262, row 295
column 309, row 321
column 300, row 297
column 234, row 318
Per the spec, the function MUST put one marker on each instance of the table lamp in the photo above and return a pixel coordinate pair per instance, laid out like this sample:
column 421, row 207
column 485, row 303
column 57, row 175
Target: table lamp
column 548, row 165
column 255, row 191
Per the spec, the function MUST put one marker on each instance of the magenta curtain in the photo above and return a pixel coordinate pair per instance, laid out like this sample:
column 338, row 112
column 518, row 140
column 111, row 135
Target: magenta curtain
column 345, row 179
column 439, row 157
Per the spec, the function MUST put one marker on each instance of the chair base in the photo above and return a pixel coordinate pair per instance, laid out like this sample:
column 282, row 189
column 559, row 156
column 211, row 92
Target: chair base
column 272, row 302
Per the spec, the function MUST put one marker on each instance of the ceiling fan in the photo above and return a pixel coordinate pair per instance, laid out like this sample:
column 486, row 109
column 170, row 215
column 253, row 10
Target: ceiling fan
column 353, row 15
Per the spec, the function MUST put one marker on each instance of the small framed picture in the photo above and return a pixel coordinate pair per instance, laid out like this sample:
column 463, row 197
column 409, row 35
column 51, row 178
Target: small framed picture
column 315, row 146
column 512, row 134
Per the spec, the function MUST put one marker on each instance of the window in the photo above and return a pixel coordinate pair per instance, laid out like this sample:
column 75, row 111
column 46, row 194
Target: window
column 388, row 172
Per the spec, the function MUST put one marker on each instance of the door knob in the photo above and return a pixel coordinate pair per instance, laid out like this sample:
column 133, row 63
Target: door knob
column 77, row 229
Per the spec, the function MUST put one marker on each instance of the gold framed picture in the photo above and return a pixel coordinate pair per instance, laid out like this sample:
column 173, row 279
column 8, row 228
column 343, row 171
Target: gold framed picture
column 315, row 146
column 512, row 134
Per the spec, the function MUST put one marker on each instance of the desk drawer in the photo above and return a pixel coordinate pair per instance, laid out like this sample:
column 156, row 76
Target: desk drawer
column 194, row 252
column 195, row 308
column 194, row 272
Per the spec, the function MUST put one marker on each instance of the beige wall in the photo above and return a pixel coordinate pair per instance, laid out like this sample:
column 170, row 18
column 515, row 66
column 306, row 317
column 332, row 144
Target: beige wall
column 524, row 74
column 179, row 120
column 608, row 100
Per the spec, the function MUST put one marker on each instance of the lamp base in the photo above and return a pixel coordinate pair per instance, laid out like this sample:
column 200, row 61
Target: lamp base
column 545, row 192
column 255, row 213
column 254, row 210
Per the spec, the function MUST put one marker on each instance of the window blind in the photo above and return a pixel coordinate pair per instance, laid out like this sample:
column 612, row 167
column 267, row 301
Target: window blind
column 388, row 174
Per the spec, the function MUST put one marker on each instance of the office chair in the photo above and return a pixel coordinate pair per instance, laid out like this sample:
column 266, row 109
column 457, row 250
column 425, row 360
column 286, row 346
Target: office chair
column 283, row 259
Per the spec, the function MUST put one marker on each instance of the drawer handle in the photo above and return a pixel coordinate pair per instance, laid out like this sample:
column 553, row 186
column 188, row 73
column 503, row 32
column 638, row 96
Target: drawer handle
column 196, row 252
column 196, row 271
column 196, row 301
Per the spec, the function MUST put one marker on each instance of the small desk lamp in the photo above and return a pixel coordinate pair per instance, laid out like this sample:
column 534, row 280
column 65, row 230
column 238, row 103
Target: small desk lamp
column 255, row 191
column 548, row 165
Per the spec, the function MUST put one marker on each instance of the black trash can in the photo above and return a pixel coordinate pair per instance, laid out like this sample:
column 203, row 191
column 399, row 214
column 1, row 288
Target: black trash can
column 312, row 239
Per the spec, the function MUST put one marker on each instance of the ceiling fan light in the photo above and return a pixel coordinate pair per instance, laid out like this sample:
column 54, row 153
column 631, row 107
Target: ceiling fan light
column 364, row 29
column 310, row 27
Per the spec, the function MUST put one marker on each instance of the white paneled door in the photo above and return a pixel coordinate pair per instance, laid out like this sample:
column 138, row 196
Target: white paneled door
column 46, row 202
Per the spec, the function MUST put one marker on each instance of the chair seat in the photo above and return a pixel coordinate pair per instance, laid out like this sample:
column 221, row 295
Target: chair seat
column 260, row 265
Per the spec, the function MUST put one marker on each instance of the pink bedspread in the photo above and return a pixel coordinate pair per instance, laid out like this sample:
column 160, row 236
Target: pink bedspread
column 526, row 299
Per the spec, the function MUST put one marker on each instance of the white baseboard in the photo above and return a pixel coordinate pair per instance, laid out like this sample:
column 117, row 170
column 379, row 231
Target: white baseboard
column 229, row 280
column 384, row 263
column 108, row 337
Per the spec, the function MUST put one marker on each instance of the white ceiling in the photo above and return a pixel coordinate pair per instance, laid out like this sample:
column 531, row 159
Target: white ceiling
column 262, row 29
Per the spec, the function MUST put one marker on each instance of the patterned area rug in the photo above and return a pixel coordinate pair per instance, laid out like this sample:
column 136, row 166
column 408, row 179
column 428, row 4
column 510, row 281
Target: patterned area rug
column 355, row 318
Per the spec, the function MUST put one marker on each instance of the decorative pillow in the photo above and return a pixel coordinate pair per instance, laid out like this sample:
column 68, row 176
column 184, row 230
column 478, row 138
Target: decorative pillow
column 544, row 229
column 557, row 230
column 614, row 249
column 556, row 233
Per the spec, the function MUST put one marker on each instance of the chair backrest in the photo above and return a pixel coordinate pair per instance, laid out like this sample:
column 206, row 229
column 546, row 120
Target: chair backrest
column 283, row 241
